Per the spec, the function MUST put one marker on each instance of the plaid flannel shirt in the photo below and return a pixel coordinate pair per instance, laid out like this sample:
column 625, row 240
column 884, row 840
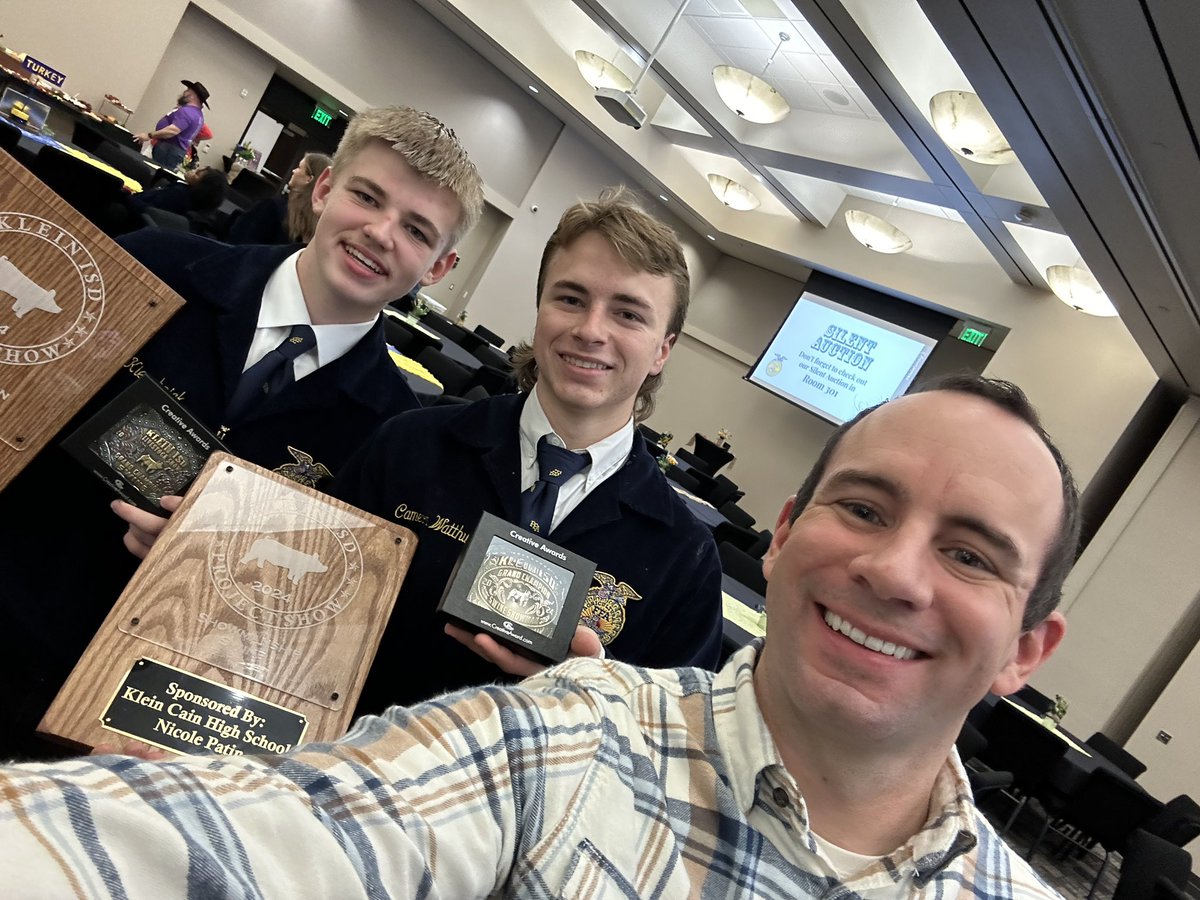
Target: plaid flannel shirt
column 593, row 780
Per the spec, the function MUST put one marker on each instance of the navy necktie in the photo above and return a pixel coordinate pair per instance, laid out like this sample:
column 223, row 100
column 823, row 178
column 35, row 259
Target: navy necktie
column 271, row 374
column 555, row 466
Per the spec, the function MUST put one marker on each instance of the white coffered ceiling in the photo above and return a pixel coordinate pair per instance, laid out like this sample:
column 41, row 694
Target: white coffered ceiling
column 1094, row 98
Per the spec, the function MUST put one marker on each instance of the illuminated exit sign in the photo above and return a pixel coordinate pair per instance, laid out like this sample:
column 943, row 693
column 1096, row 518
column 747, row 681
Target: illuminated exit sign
column 322, row 116
column 973, row 336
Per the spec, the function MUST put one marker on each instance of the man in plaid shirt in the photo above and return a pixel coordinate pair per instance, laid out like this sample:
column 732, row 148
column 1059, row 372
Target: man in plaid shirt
column 918, row 568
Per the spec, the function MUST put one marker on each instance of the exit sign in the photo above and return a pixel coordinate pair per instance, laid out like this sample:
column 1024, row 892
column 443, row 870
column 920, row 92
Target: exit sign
column 322, row 116
column 973, row 336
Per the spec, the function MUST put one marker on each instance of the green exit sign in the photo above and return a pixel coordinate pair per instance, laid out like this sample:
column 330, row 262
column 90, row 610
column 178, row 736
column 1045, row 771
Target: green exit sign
column 322, row 116
column 973, row 336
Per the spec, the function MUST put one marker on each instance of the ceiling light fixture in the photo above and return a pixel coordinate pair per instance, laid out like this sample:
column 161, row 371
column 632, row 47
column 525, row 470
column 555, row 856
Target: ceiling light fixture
column 1077, row 287
column 731, row 193
column 876, row 233
column 748, row 95
column 622, row 104
column 960, row 119
column 600, row 73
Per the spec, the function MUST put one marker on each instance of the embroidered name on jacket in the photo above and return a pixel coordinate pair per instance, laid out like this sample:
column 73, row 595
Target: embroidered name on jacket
column 434, row 522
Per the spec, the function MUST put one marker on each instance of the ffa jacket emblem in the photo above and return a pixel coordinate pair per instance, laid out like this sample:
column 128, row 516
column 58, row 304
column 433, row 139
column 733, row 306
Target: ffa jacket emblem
column 604, row 609
column 304, row 470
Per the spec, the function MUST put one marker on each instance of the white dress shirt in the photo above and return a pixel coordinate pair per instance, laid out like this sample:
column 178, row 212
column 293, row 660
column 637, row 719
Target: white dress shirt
column 607, row 455
column 282, row 307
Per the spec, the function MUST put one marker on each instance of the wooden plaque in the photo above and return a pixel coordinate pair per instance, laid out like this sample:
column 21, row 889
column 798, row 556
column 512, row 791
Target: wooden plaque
column 250, row 626
column 73, row 308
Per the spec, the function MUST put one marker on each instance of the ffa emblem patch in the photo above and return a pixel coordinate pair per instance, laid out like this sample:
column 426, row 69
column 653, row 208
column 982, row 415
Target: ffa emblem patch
column 775, row 366
column 604, row 609
column 304, row 470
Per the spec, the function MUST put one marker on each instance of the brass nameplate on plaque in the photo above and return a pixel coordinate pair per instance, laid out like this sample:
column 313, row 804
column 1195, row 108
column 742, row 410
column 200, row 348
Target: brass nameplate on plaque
column 257, row 583
column 175, row 710
column 73, row 308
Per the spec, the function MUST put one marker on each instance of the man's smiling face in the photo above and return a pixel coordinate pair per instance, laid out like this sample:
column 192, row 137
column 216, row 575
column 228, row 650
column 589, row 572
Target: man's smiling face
column 895, row 598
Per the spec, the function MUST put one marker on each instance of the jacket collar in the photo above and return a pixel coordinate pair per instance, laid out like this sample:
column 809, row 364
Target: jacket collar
column 492, row 427
column 249, row 267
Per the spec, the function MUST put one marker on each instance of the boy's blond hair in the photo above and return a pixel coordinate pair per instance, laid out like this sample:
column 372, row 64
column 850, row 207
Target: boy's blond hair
column 429, row 146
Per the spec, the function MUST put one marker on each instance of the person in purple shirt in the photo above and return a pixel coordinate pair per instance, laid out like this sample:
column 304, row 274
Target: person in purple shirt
column 175, row 131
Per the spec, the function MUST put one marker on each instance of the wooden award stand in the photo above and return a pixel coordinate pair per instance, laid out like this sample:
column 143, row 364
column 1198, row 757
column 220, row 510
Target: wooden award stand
column 73, row 308
column 250, row 626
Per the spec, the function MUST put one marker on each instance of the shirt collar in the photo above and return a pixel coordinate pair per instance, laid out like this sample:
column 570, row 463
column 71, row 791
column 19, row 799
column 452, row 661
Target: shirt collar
column 749, row 751
column 283, row 306
column 607, row 454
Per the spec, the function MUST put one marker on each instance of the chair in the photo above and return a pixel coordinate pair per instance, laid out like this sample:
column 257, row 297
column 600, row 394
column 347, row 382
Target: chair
column 1018, row 744
column 165, row 219
column 714, row 455
column 740, row 566
column 90, row 190
column 494, row 381
column 682, row 478
column 490, row 336
column 760, row 547
column 471, row 342
column 692, row 460
column 1035, row 699
column 252, row 187
column 397, row 335
column 1152, row 869
column 420, row 339
column 652, row 437
column 128, row 162
column 490, row 356
column 736, row 514
column 447, row 328
column 723, row 491
column 1178, row 821
column 971, row 745
column 455, row 377
column 742, row 538
column 705, row 485
column 1107, row 809
column 1116, row 754
column 9, row 136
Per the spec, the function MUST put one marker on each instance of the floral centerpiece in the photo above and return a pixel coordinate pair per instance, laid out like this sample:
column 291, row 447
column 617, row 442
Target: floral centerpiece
column 420, row 308
column 241, row 156
column 665, row 459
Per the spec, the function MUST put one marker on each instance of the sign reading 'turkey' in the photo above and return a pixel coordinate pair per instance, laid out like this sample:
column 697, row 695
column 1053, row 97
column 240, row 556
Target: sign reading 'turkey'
column 73, row 307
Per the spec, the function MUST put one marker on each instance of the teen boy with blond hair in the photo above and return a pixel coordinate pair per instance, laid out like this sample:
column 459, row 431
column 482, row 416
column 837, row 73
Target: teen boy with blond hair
column 400, row 194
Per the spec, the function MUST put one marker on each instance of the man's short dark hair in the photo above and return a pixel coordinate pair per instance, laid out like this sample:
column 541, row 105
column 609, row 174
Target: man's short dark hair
column 1047, row 591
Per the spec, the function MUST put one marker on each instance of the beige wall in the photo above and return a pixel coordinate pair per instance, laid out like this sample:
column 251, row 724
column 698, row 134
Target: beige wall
column 1128, row 598
column 204, row 50
column 102, row 46
column 375, row 52
column 1173, row 768
column 1128, row 604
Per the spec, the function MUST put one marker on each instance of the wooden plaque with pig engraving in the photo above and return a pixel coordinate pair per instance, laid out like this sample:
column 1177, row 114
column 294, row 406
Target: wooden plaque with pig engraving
column 73, row 308
column 249, row 627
